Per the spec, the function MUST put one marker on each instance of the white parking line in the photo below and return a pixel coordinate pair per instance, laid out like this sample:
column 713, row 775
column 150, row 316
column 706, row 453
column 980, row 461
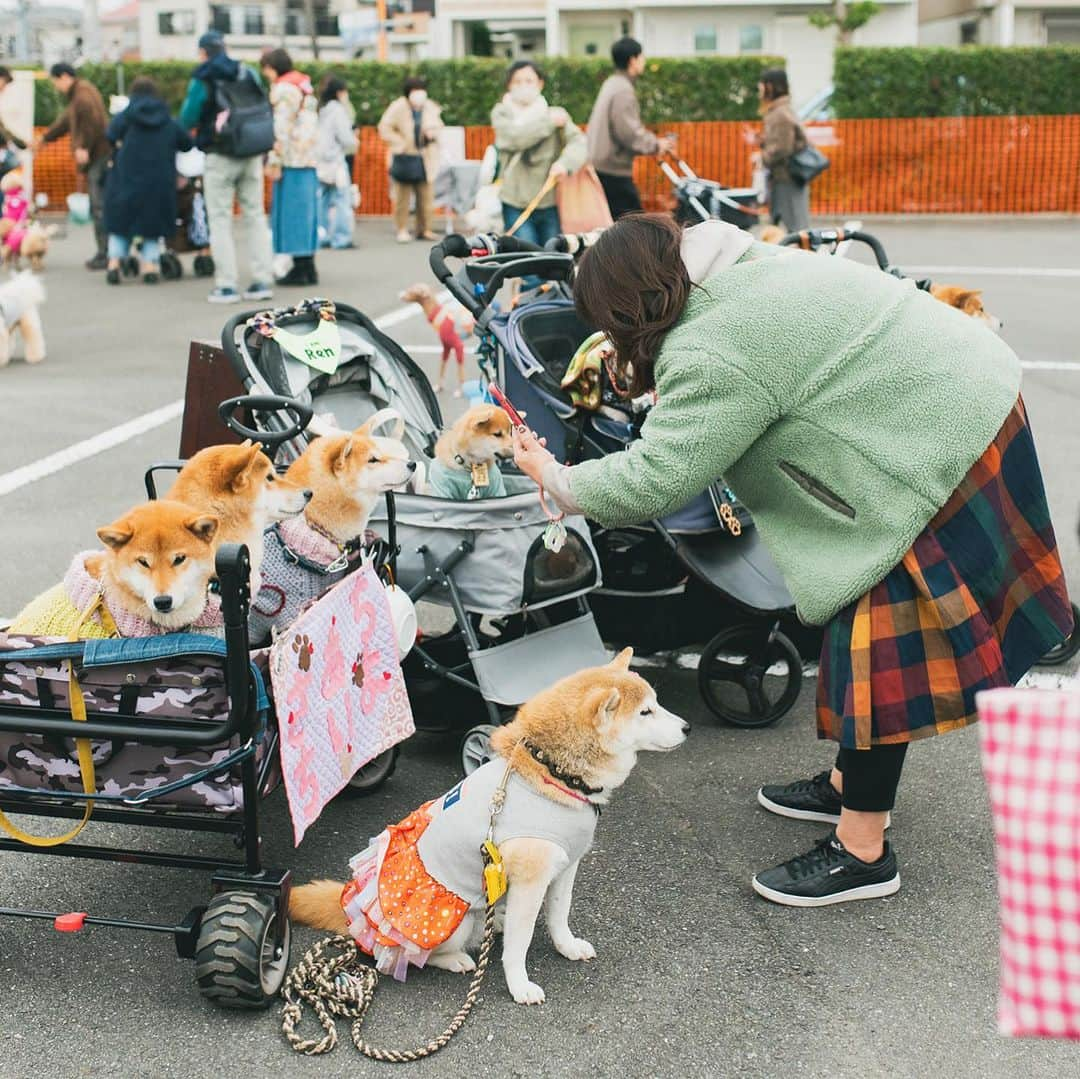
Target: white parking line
column 116, row 436
column 996, row 271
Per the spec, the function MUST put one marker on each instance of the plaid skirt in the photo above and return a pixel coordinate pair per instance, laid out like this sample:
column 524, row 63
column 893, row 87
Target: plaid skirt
column 974, row 603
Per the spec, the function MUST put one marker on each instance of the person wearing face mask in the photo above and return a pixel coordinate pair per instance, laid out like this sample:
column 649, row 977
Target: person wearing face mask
column 535, row 142
column 410, row 128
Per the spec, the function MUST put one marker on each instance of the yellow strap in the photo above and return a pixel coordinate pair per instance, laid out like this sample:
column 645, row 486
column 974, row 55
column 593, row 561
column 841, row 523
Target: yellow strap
column 525, row 214
column 82, row 745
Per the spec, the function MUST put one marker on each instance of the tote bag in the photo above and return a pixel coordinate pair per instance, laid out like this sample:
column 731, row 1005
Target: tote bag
column 582, row 203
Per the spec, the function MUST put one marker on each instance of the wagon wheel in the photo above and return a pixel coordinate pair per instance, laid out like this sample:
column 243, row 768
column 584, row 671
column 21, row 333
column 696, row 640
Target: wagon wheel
column 1068, row 648
column 172, row 269
column 750, row 675
column 203, row 266
column 129, row 267
column 476, row 747
column 242, row 953
column 371, row 776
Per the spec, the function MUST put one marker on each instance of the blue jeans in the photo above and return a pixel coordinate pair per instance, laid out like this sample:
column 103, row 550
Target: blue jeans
column 335, row 216
column 542, row 225
column 119, row 246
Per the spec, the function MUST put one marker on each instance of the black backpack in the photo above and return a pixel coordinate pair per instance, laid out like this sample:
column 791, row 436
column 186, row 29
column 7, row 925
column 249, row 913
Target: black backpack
column 243, row 120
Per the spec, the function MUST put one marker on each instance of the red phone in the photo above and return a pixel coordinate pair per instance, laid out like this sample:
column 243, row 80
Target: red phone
column 504, row 403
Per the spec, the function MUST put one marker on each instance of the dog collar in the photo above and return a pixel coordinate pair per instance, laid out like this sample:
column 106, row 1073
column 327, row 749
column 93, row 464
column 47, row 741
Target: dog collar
column 565, row 779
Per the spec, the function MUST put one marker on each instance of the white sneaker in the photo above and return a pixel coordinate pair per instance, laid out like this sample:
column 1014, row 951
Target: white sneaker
column 404, row 237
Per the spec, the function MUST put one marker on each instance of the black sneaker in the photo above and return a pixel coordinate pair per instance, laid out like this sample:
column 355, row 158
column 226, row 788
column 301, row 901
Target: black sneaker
column 805, row 799
column 828, row 874
column 98, row 262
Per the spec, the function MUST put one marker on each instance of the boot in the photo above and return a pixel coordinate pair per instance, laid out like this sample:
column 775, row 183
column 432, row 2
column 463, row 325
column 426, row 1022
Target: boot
column 302, row 272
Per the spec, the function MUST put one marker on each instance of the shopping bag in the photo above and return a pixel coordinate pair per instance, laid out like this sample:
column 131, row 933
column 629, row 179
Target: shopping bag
column 582, row 203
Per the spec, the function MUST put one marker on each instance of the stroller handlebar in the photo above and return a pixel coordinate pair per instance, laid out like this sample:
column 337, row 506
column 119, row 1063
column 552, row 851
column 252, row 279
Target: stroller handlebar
column 813, row 239
column 299, row 414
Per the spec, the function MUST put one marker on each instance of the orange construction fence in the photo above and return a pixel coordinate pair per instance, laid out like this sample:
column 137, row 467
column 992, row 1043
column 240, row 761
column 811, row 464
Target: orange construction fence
column 983, row 164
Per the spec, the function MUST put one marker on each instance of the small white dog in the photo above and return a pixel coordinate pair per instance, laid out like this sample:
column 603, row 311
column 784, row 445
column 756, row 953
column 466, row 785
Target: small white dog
column 21, row 297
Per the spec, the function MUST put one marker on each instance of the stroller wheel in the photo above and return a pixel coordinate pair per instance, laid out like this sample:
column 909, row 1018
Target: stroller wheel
column 476, row 748
column 172, row 269
column 1068, row 647
column 130, row 266
column 203, row 266
column 750, row 675
column 372, row 775
column 242, row 953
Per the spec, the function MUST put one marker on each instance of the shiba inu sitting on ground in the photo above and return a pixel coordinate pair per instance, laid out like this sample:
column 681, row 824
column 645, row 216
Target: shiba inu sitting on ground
column 417, row 892
column 152, row 577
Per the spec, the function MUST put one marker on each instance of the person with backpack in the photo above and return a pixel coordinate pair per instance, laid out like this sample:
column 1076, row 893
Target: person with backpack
column 227, row 105
column 140, row 192
column 294, row 210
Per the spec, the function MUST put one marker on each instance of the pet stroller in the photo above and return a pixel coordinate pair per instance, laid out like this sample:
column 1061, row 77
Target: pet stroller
column 698, row 200
column 178, row 731
column 661, row 581
column 520, row 620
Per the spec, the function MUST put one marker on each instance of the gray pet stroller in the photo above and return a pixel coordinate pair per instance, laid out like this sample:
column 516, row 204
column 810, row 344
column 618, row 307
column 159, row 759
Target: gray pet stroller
column 520, row 619
column 702, row 575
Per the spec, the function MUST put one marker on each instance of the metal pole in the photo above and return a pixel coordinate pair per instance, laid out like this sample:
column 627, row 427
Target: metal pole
column 22, row 32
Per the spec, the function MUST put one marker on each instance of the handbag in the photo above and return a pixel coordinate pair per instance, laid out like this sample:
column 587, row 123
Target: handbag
column 407, row 169
column 583, row 206
column 807, row 164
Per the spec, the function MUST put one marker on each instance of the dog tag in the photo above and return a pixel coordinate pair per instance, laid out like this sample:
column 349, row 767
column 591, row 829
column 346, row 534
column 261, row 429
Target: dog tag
column 555, row 536
column 480, row 475
column 494, row 873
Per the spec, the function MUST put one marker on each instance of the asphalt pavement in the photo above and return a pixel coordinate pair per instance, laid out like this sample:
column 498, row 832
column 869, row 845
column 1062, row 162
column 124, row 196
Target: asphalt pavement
column 695, row 975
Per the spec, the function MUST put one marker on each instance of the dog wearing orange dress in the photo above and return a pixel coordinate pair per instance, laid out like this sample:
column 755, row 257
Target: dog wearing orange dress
column 416, row 897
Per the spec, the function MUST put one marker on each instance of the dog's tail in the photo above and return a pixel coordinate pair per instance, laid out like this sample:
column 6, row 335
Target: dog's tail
column 318, row 904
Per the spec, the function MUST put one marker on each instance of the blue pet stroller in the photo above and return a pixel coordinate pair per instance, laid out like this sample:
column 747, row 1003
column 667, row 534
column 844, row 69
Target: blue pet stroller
column 662, row 579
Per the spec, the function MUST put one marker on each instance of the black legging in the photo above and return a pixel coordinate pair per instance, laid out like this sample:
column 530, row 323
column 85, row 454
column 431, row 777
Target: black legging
column 871, row 776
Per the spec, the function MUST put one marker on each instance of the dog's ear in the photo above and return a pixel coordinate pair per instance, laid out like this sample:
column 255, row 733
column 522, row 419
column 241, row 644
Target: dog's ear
column 971, row 301
column 242, row 464
column 117, row 534
column 622, row 661
column 203, row 527
column 603, row 703
column 341, row 455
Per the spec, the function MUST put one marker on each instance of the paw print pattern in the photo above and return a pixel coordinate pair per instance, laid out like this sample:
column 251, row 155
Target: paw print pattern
column 304, row 650
column 358, row 671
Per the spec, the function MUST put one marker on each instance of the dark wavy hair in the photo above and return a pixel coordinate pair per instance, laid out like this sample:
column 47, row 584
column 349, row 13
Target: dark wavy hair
column 633, row 285
column 775, row 81
column 331, row 87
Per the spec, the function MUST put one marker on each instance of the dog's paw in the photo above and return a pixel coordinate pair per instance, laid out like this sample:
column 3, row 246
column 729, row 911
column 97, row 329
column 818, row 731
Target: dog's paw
column 455, row 962
column 529, row 993
column 576, row 948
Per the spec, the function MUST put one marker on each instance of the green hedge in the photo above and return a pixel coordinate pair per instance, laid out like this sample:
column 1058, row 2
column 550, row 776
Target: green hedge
column 974, row 80
column 715, row 88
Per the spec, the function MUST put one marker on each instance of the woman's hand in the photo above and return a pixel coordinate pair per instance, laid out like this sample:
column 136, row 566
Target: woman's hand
column 82, row 156
column 529, row 454
column 558, row 116
column 557, row 171
column 272, row 172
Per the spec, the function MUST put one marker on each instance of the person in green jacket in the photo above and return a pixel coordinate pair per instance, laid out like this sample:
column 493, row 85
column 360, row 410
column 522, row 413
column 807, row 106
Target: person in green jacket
column 536, row 143
column 879, row 440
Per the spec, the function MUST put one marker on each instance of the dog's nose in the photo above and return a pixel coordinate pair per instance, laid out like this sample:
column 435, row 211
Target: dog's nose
column 307, row 495
column 685, row 727
column 163, row 604
column 410, row 466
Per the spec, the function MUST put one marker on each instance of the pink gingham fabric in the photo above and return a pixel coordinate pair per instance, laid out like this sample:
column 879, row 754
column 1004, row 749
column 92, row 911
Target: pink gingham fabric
column 1031, row 759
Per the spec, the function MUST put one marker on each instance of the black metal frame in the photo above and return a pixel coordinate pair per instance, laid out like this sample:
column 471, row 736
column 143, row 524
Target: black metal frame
column 243, row 722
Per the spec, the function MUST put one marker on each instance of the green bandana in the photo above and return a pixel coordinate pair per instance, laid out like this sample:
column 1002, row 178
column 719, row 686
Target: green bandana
column 320, row 349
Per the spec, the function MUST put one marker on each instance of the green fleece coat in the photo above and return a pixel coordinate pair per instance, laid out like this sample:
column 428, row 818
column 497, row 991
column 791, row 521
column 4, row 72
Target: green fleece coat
column 842, row 405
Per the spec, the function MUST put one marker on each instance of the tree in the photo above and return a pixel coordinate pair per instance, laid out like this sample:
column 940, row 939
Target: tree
column 847, row 18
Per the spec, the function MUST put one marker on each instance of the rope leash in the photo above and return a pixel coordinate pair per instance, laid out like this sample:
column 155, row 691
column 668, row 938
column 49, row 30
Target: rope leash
column 334, row 982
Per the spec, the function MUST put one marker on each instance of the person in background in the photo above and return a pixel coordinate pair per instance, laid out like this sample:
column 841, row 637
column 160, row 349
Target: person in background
column 140, row 193
column 6, row 135
column 410, row 128
column 84, row 119
column 337, row 141
column 781, row 138
column 226, row 179
column 291, row 164
column 616, row 134
column 535, row 142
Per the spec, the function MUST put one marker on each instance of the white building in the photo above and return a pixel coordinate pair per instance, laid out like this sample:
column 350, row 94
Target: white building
column 995, row 22
column 665, row 28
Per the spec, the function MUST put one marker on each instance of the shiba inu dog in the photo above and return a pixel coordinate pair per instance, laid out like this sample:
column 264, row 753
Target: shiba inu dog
column 467, row 455
column 239, row 486
column 967, row 300
column 417, row 893
column 346, row 474
column 152, row 578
